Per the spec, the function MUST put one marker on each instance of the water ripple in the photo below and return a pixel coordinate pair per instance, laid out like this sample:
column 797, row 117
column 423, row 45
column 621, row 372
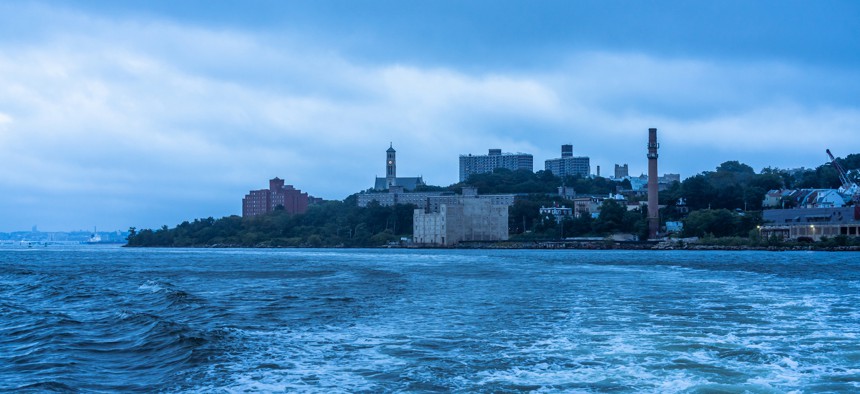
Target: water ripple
column 126, row 320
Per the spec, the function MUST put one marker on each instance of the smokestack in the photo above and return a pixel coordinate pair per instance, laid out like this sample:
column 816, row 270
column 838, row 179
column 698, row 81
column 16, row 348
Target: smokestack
column 598, row 171
column 653, row 209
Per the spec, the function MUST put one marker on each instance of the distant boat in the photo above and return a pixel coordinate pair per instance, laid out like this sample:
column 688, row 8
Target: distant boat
column 95, row 238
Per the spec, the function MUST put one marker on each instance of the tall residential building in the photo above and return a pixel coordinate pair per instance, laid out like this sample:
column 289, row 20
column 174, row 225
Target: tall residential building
column 483, row 164
column 622, row 171
column 568, row 164
column 258, row 202
column 391, row 179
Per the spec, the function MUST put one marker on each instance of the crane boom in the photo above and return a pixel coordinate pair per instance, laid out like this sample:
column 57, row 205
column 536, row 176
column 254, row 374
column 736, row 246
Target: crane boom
column 849, row 188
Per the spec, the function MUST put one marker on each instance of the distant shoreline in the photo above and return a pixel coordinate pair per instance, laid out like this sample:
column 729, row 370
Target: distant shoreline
column 645, row 246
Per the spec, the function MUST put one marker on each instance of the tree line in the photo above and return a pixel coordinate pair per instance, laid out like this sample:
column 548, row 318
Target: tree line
column 329, row 224
column 726, row 202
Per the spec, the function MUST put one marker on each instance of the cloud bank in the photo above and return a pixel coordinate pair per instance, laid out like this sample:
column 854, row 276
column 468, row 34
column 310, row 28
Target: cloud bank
column 142, row 122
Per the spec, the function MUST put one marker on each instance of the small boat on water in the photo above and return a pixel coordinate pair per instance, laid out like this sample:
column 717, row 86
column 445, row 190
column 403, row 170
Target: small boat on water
column 95, row 238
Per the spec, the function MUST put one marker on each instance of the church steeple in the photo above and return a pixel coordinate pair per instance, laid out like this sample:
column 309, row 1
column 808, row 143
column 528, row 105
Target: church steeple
column 390, row 165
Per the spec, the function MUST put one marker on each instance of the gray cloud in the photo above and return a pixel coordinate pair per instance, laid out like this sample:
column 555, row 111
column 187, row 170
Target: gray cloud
column 121, row 123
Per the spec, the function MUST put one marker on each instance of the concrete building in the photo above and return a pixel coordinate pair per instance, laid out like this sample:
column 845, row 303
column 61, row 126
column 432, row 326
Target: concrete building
column 258, row 202
column 429, row 200
column 622, row 171
column 483, row 164
column 391, row 179
column 813, row 223
column 464, row 218
column 396, row 195
column 434, row 202
column 567, row 164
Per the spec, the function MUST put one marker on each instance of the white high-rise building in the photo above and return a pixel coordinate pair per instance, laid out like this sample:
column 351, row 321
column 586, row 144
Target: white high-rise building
column 483, row 164
column 568, row 164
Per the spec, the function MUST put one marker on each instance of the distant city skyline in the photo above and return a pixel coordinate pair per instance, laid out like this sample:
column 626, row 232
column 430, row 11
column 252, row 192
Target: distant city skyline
column 143, row 114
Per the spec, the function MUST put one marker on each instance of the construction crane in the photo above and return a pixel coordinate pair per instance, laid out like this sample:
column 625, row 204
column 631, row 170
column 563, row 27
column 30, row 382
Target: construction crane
column 849, row 189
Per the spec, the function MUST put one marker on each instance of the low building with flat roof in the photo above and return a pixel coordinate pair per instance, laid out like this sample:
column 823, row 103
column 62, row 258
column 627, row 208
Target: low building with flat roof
column 813, row 223
column 397, row 195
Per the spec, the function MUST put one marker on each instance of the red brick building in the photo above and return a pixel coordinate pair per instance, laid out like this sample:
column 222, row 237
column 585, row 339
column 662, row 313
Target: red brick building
column 258, row 202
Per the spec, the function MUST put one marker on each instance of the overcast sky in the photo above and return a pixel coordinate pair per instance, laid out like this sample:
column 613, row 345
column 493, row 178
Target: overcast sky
column 118, row 114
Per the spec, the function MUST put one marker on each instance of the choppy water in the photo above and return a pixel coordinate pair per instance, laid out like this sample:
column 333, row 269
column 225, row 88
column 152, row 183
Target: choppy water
column 108, row 319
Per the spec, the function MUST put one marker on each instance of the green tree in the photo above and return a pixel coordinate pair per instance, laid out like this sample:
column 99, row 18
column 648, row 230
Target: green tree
column 716, row 222
column 611, row 217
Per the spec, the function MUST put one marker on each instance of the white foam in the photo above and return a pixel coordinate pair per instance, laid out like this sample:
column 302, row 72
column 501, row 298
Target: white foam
column 151, row 286
column 324, row 359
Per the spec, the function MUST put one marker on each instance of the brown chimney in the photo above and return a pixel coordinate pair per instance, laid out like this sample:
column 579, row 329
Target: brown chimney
column 653, row 209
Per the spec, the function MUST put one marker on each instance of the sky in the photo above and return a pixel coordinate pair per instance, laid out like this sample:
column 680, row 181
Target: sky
column 118, row 114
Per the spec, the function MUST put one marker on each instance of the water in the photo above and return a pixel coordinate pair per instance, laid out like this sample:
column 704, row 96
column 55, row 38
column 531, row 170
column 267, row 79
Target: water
column 109, row 319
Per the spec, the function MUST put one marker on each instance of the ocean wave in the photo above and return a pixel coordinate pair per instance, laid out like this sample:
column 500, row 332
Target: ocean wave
column 447, row 321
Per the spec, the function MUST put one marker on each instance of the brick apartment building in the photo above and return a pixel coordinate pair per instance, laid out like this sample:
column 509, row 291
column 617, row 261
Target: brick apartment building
column 258, row 202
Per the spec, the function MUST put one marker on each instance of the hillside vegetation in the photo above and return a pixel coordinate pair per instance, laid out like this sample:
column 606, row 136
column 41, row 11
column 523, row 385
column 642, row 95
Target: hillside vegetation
column 721, row 203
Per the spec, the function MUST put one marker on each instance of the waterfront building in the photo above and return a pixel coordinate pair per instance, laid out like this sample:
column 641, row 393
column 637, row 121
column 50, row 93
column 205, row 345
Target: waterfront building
column 813, row 223
column 454, row 219
column 568, row 164
column 391, row 179
column 258, row 202
column 483, row 164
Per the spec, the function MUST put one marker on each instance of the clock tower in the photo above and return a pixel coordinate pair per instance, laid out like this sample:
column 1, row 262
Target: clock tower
column 390, row 166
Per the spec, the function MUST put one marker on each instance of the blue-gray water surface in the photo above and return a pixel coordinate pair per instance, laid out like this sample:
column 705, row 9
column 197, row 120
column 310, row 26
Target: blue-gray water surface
column 110, row 319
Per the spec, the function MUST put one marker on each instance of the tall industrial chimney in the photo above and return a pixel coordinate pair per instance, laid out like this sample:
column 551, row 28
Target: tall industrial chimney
column 653, row 209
